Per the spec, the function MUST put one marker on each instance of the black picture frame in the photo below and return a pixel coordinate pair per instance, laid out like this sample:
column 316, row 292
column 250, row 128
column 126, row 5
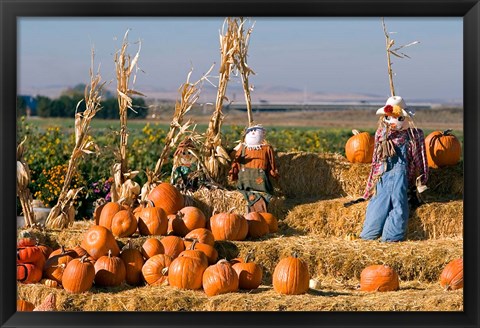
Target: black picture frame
column 468, row 9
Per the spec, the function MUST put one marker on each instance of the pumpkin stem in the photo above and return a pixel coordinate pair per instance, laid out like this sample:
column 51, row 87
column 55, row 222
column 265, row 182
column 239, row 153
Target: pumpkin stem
column 165, row 271
column 295, row 254
column 355, row 132
column 109, row 253
column 447, row 132
column 150, row 202
column 231, row 210
column 83, row 258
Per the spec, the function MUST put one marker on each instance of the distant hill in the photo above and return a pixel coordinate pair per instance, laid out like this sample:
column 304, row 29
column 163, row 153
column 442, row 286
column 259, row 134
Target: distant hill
column 260, row 94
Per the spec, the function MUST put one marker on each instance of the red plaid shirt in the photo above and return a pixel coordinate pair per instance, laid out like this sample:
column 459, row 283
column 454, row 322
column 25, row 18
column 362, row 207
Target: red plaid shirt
column 416, row 157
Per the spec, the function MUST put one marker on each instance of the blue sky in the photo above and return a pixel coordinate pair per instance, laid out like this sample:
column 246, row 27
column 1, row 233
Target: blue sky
column 317, row 54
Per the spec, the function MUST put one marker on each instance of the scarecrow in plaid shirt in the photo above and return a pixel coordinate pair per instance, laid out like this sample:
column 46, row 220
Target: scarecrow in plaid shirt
column 253, row 165
column 399, row 165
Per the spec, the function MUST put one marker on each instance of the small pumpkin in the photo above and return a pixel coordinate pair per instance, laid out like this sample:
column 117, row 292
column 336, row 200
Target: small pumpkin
column 188, row 219
column 124, row 224
column 155, row 270
column 219, row 279
column 173, row 245
column 359, row 147
column 451, row 277
column 229, row 226
column 381, row 278
column 257, row 226
column 109, row 271
column 79, row 275
column 133, row 260
column 166, row 196
column 271, row 220
column 24, row 306
column 28, row 273
column 152, row 246
column 186, row 270
column 291, row 276
column 98, row 240
column 250, row 274
column 152, row 220
column 443, row 149
column 50, row 283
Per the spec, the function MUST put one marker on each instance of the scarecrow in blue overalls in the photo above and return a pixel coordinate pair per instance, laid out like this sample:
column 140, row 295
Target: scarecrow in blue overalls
column 399, row 165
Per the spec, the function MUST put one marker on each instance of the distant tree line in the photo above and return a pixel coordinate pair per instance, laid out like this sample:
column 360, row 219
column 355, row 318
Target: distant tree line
column 66, row 105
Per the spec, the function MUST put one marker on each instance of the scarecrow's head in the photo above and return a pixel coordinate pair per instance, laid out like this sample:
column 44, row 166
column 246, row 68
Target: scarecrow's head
column 255, row 135
column 395, row 113
column 183, row 156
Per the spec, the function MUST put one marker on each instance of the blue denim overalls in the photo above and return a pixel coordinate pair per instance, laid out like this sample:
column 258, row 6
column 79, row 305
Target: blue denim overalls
column 387, row 211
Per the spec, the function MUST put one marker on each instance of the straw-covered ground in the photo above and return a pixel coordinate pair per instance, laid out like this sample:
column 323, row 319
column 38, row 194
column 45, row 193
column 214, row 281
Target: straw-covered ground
column 313, row 223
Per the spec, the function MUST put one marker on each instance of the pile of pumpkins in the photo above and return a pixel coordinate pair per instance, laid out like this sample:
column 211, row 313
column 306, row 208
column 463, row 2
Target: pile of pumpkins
column 442, row 148
column 183, row 257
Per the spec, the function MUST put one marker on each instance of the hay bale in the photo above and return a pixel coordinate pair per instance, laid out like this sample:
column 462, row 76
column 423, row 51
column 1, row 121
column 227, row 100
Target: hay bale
column 310, row 175
column 330, row 218
column 334, row 296
column 344, row 259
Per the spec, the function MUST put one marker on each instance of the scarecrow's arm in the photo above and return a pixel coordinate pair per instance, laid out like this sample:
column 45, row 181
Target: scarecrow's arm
column 235, row 168
column 271, row 162
column 420, row 155
column 368, row 189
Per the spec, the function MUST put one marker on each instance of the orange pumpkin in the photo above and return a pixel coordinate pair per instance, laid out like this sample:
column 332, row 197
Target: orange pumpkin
column 381, row 278
column 98, row 240
column 188, row 219
column 271, row 220
column 28, row 273
column 29, row 254
column 229, row 226
column 152, row 220
column 202, row 235
column 257, row 226
column 79, row 275
column 250, row 274
column 291, row 276
column 24, row 306
column 26, row 242
column 57, row 262
column 443, row 149
column 187, row 269
column 109, row 271
column 96, row 213
column 152, row 246
column 209, row 251
column 46, row 250
column 124, row 224
column 155, row 269
column 451, row 277
column 166, row 196
column 219, row 279
column 107, row 213
column 133, row 260
column 173, row 245
column 359, row 147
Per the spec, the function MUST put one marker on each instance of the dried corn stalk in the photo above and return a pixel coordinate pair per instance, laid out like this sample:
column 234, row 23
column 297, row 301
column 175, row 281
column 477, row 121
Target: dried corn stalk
column 23, row 179
column 240, row 59
column 215, row 157
column 125, row 66
column 189, row 94
column 389, row 44
column 63, row 213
